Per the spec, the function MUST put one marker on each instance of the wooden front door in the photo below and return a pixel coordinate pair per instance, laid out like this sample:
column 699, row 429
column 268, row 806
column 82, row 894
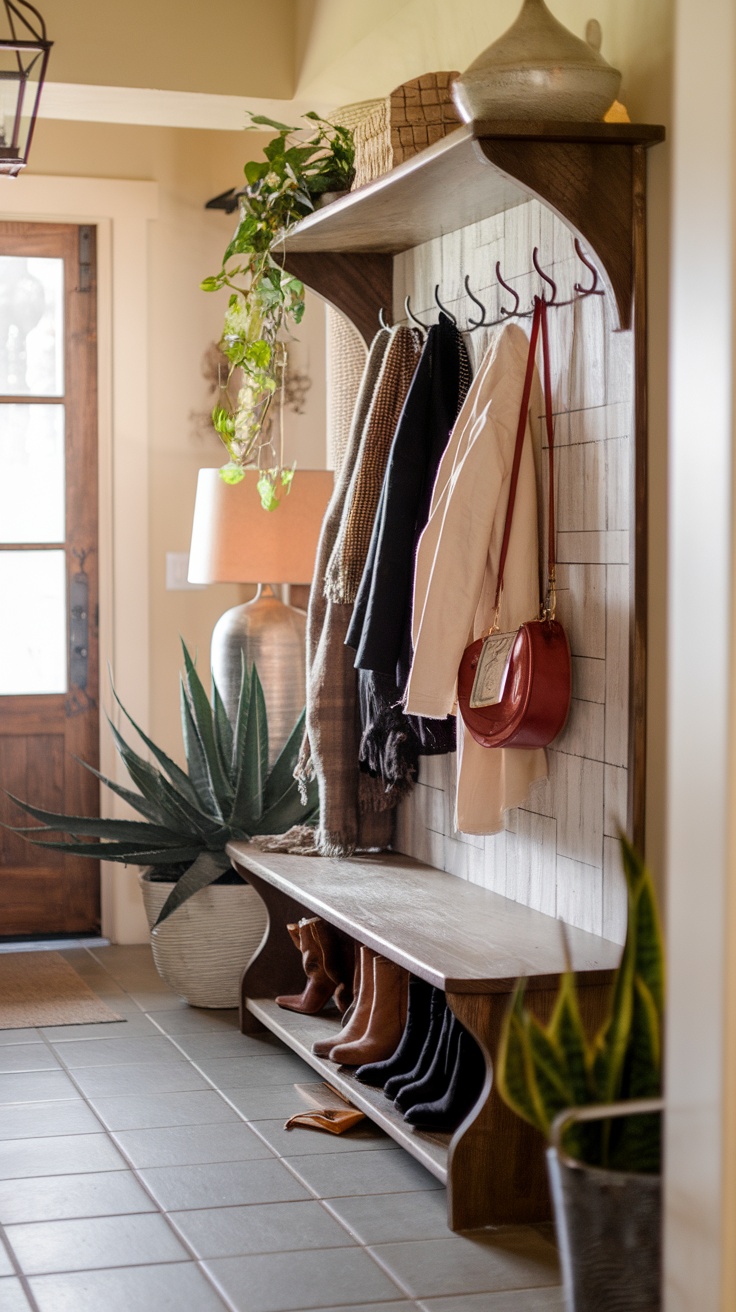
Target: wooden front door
column 48, row 568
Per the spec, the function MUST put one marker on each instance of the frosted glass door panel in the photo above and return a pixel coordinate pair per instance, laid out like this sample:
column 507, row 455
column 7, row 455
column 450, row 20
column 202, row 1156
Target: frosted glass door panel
column 32, row 473
column 31, row 326
column 33, row 645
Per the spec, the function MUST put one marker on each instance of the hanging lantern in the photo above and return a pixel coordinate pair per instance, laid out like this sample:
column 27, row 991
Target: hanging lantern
column 23, row 59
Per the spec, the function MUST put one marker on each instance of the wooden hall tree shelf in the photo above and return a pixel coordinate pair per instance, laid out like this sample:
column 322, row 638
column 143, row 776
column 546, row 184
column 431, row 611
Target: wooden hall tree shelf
column 462, row 939
column 459, row 937
column 593, row 177
column 591, row 174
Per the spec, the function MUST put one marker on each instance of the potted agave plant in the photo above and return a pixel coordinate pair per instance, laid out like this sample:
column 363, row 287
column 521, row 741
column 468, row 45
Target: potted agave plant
column 598, row 1104
column 206, row 921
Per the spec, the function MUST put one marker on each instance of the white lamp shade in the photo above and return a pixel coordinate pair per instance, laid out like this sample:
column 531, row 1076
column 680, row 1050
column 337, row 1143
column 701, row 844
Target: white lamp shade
column 234, row 540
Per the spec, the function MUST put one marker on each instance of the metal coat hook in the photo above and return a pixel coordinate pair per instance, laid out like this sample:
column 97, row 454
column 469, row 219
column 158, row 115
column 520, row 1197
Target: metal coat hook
column 505, row 314
column 449, row 313
column 411, row 315
column 594, row 290
column 475, row 323
column 545, row 276
column 382, row 320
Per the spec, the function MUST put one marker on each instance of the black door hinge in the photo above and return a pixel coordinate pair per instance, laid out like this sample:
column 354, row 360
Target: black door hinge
column 85, row 258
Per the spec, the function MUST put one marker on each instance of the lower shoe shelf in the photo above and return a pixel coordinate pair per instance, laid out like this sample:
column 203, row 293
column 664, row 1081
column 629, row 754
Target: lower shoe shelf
column 464, row 940
column 300, row 1032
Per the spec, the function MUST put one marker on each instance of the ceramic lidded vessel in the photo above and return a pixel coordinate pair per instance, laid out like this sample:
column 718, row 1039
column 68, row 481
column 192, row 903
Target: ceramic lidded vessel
column 538, row 70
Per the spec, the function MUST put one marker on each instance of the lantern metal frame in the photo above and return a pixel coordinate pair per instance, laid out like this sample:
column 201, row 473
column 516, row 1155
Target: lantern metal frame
column 35, row 46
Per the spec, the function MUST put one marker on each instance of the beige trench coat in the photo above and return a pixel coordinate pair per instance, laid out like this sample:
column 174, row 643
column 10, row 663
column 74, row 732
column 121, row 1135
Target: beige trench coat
column 456, row 573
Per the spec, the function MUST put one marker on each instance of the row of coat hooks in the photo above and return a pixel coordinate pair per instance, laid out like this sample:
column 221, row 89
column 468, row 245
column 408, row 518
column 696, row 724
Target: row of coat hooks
column 515, row 312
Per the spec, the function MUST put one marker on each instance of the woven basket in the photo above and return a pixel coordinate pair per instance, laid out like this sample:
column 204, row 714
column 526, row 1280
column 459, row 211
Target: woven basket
column 202, row 950
column 414, row 116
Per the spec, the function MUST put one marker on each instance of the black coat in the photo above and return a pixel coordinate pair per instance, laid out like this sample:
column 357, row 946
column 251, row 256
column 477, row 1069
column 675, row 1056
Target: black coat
column 380, row 629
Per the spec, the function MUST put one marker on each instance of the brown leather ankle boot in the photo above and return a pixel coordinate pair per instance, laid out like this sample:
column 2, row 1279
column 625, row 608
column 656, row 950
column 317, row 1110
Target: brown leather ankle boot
column 382, row 1035
column 358, row 1022
column 320, row 984
column 338, row 954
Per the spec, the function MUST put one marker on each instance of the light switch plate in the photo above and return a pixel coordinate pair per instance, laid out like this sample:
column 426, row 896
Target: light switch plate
column 177, row 568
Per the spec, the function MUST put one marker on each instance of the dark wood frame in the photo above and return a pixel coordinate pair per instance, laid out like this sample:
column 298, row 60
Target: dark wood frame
column 593, row 176
column 64, row 888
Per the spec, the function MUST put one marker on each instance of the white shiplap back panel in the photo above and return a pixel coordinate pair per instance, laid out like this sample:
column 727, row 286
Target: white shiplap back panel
column 558, row 853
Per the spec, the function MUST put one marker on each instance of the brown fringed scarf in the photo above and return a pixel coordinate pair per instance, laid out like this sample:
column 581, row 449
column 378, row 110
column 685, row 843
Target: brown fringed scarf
column 345, row 568
column 330, row 748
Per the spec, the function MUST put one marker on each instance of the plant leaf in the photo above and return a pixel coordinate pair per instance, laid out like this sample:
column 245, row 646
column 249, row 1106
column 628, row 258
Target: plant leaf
column 178, row 811
column 223, row 734
column 82, row 826
column 282, row 771
column 261, row 119
column 138, row 802
column 247, row 805
column 241, row 719
column 567, row 1032
column 131, row 854
column 203, row 719
column 177, row 776
column 196, row 760
column 513, row 1063
column 649, row 938
column 207, row 867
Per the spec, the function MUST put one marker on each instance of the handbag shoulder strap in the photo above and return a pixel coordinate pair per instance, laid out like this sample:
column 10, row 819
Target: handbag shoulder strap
column 539, row 320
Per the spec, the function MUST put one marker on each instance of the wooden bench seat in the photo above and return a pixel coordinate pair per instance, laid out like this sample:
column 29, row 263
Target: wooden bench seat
column 469, row 942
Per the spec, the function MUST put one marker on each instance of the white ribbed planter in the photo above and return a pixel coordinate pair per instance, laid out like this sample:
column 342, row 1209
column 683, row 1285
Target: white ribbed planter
column 203, row 948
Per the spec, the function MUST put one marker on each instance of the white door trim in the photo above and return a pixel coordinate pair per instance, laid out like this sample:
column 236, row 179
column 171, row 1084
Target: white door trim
column 121, row 212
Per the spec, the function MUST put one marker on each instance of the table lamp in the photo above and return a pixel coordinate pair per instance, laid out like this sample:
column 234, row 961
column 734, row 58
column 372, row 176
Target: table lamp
column 234, row 540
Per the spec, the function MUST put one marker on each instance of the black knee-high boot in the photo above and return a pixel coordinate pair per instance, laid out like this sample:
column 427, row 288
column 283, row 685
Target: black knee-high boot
column 410, row 1073
column 465, row 1086
column 435, row 1083
column 412, row 1040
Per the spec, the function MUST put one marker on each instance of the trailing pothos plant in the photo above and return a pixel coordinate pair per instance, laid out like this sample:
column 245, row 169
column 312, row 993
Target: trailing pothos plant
column 543, row 1069
column 227, row 792
column 299, row 167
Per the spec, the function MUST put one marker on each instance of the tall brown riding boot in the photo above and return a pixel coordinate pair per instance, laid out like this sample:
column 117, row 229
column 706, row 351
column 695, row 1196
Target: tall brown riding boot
column 358, row 1022
column 382, row 1035
column 320, row 984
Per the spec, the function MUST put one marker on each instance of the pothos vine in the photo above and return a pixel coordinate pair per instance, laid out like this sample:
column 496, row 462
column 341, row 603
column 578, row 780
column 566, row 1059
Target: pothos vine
column 300, row 166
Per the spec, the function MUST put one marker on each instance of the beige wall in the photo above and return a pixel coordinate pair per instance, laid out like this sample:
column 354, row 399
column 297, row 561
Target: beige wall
column 233, row 47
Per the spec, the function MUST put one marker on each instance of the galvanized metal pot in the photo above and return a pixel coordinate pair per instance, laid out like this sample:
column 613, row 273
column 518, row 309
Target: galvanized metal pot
column 608, row 1225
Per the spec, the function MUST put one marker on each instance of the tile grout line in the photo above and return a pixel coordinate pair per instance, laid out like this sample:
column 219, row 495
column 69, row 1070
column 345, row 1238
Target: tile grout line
column 286, row 1164
column 402, row 1290
column 159, row 1210
column 19, row 1272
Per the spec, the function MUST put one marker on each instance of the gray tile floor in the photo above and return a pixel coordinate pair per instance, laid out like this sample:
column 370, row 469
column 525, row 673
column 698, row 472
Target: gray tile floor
column 144, row 1168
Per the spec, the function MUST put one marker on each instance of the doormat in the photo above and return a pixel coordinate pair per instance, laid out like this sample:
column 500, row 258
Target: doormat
column 41, row 988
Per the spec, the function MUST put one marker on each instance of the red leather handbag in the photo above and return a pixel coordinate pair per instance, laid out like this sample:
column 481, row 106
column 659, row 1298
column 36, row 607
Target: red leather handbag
column 531, row 688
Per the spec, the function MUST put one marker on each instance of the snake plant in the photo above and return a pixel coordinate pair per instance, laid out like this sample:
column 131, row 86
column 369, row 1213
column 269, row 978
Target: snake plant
column 542, row 1069
column 227, row 792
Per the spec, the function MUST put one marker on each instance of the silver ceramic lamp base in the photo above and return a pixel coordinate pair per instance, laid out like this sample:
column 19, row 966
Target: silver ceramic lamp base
column 272, row 637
